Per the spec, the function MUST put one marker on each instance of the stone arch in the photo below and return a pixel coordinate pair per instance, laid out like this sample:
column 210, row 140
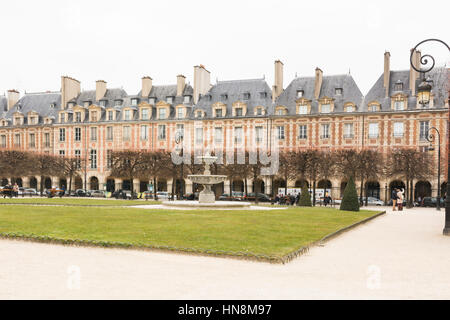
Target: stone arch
column 373, row 189
column 110, row 184
column 396, row 184
column 238, row 185
column 300, row 182
column 422, row 189
column 93, row 183
column 47, row 183
column 33, row 183
column 4, row 181
column 78, row 183
column 258, row 186
column 278, row 183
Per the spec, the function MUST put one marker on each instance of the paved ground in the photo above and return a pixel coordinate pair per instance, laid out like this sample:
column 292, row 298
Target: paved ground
column 399, row 255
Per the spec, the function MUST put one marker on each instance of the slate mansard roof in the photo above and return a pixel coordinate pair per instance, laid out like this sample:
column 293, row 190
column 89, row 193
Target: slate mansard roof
column 46, row 104
column 350, row 92
column 229, row 92
column 440, row 87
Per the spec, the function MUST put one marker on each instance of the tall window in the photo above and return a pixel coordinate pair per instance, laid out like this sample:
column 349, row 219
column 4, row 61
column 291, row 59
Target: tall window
column 373, row 130
column 198, row 135
column 302, row 132
column 93, row 159
column 218, row 135
column 134, row 102
column 3, row 141
column 17, row 140
column 398, row 129
column 180, row 130
column 32, row 140
column 238, row 135
column 325, row 131
column 424, row 127
column 110, row 115
column 62, row 134
column 94, row 134
column 78, row 158
column 94, row 116
column 126, row 133
column 219, row 113
column 46, row 140
column 348, row 130
column 187, row 99
column 62, row 153
column 77, row 116
column 108, row 158
column 259, row 134
column 162, row 132
column 109, row 133
column 259, row 111
column 238, row 112
column 280, row 132
column 144, row 132
column 62, row 117
column 326, row 108
column 77, row 134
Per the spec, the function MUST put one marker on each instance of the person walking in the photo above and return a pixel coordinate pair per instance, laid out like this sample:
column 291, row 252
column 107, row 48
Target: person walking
column 400, row 199
column 394, row 199
column 16, row 190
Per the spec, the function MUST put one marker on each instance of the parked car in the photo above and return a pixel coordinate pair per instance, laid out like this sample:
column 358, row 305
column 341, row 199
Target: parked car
column 54, row 192
column 123, row 194
column 164, row 195
column 432, row 202
column 372, row 201
column 82, row 193
column 27, row 192
column 191, row 196
column 98, row 193
column 235, row 196
column 261, row 197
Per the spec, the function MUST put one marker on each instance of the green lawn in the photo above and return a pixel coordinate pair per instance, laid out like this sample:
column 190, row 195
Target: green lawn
column 275, row 232
column 77, row 201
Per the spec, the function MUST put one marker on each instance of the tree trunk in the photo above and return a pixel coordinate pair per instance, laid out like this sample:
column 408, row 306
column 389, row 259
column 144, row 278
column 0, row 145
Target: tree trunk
column 41, row 184
column 314, row 193
column 367, row 193
column 70, row 183
column 361, row 189
column 245, row 185
column 173, row 189
column 411, row 194
column 132, row 187
column 255, row 189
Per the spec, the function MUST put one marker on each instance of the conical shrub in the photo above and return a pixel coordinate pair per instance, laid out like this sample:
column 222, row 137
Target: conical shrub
column 305, row 197
column 350, row 200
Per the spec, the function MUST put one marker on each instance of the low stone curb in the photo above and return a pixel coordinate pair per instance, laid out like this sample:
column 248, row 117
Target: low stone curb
column 202, row 252
column 76, row 205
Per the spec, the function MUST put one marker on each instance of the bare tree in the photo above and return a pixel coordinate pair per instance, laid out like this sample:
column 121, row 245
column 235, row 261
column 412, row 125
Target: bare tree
column 313, row 169
column 44, row 165
column 128, row 164
column 370, row 167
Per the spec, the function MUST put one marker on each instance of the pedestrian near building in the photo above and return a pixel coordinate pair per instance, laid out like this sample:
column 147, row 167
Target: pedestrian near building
column 394, row 199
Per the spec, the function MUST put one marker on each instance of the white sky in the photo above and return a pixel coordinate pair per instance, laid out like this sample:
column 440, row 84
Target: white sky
column 121, row 41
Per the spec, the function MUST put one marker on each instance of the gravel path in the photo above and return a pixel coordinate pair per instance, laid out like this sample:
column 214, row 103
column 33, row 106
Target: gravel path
column 399, row 255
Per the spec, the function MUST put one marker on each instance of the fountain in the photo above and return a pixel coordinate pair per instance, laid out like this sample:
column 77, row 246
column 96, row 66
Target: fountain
column 207, row 197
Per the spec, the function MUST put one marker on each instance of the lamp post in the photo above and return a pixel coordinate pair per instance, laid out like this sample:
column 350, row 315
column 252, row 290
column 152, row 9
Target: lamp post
column 423, row 94
column 431, row 138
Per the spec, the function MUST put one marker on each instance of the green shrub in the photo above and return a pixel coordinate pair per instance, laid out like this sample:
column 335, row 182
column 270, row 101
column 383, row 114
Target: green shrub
column 350, row 200
column 305, row 197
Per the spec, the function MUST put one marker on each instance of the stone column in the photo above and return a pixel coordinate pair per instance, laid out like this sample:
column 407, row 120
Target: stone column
column 136, row 185
column 169, row 185
column 226, row 186
column 26, row 182
column 188, row 186
column 118, row 183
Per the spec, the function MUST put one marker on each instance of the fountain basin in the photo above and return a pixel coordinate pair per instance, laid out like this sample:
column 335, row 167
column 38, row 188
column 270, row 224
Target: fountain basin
column 215, row 205
column 206, row 179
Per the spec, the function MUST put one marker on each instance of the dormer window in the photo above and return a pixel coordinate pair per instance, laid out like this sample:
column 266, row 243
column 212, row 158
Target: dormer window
column 103, row 103
column 219, row 113
column 169, row 100
column 238, row 112
column 151, row 100
column 224, row 97
column 77, row 116
column 52, row 105
column 399, row 105
column 199, row 114
column 187, row 99
column 326, row 108
column 349, row 108
column 17, row 121
column 180, row 113
column 373, row 108
column 338, row 91
column 300, row 93
column 246, row 95
column 71, row 104
column 110, row 115
column 118, row 102
column 127, row 115
column 134, row 101
column 144, row 114
column 259, row 111
column 62, row 118
column 303, row 109
column 93, row 116
column 87, row 104
column 263, row 95
column 162, row 113
column 398, row 86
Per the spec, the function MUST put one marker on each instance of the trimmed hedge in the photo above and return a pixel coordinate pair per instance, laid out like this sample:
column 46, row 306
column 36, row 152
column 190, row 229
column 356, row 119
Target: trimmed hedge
column 350, row 200
column 305, row 197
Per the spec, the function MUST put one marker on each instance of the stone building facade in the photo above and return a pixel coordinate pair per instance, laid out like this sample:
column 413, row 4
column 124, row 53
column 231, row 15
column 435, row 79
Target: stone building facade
column 320, row 111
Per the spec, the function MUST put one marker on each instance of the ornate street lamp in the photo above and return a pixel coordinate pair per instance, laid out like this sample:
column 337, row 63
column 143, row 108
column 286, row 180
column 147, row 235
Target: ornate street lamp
column 424, row 92
column 431, row 138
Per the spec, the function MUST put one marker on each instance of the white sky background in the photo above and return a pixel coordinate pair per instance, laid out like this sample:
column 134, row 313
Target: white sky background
column 121, row 41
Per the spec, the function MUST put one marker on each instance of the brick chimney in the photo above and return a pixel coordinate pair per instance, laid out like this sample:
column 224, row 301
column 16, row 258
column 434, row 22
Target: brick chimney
column 13, row 97
column 201, row 81
column 277, row 88
column 318, row 83
column 146, row 86
column 413, row 74
column 70, row 89
column 387, row 72
column 100, row 89
column 181, row 83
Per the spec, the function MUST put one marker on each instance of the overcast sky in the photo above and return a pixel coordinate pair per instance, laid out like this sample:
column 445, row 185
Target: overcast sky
column 121, row 41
